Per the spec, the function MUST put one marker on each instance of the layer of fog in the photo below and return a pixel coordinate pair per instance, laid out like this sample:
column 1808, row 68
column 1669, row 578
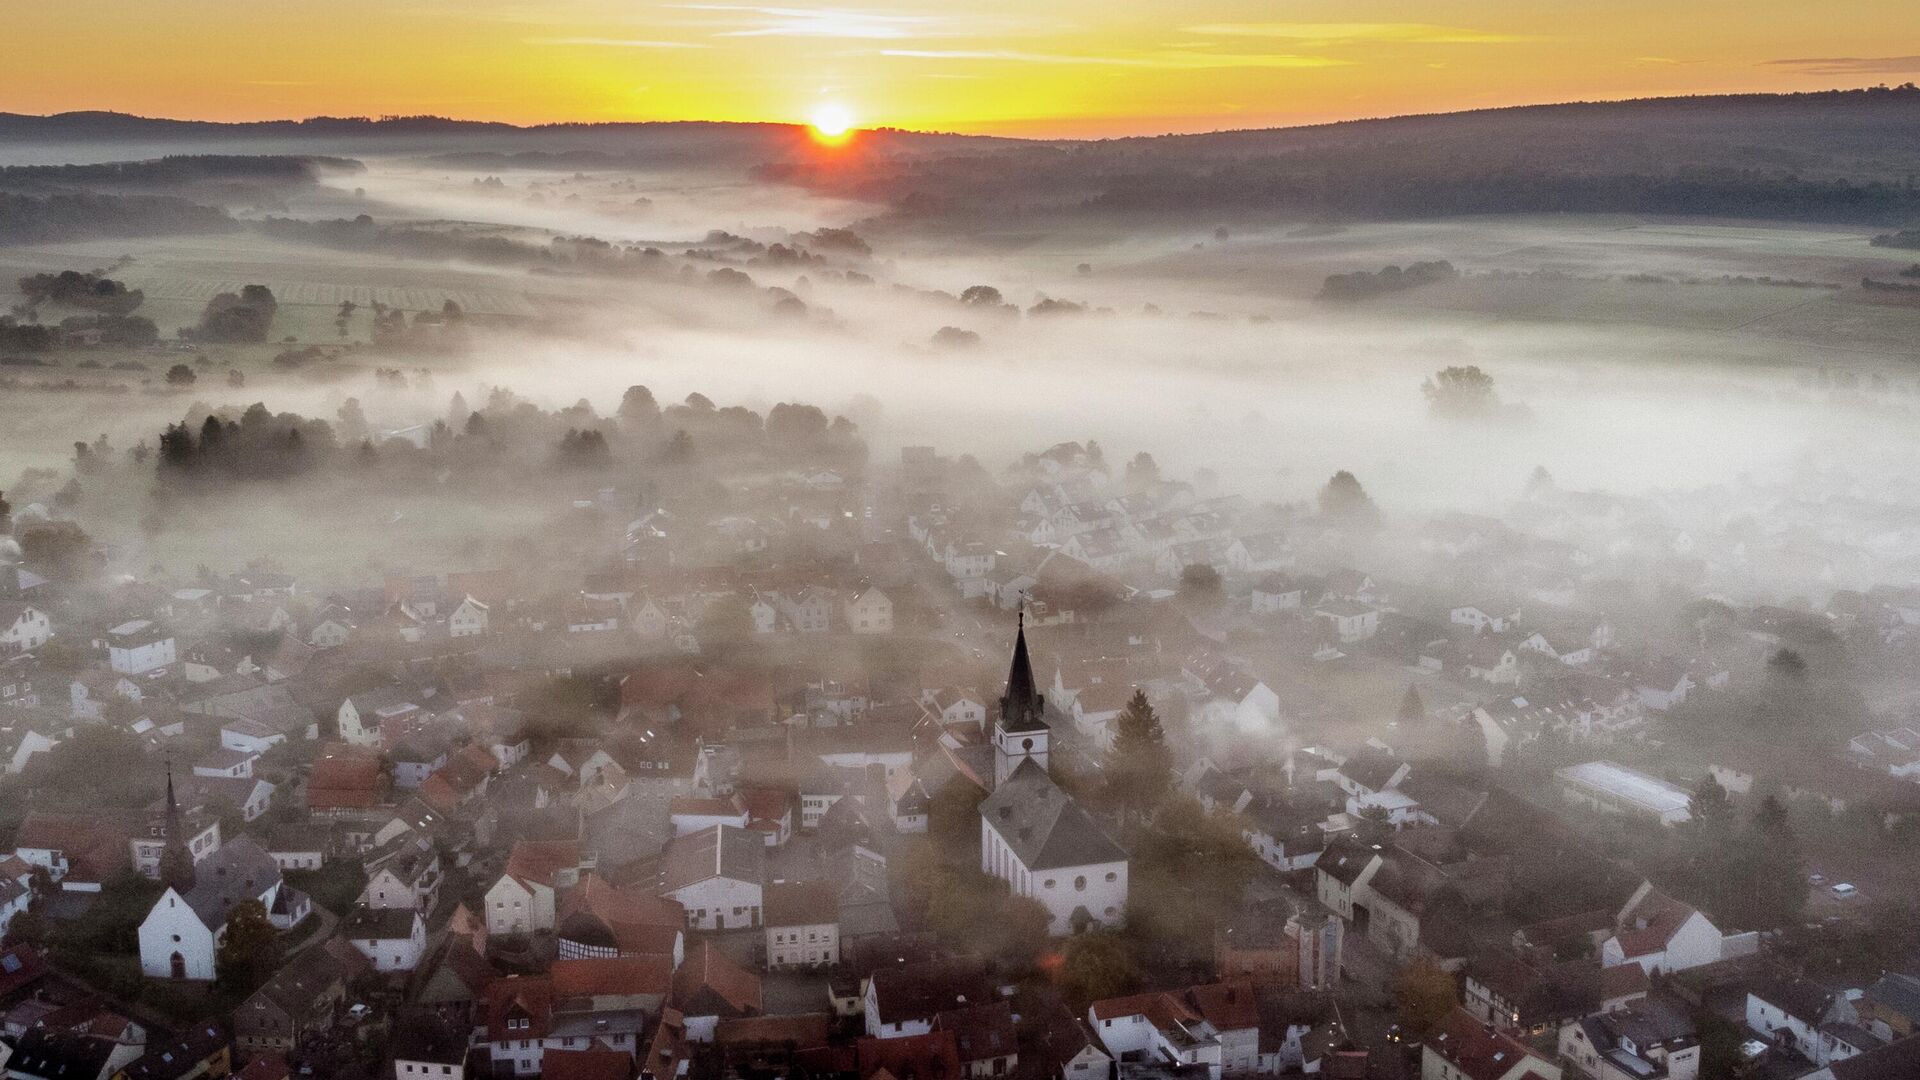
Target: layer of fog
column 666, row 206
column 1269, row 389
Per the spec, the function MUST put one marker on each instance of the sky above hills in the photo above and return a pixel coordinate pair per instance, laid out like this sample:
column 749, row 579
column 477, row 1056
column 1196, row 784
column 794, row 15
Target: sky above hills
column 1061, row 67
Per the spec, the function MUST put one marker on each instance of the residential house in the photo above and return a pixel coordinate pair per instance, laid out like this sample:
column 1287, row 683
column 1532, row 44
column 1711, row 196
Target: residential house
column 523, row 899
column 717, row 874
column 1661, row 934
column 1466, row 1049
column 802, row 924
column 393, row 939
column 1653, row 1037
column 138, row 646
column 23, row 626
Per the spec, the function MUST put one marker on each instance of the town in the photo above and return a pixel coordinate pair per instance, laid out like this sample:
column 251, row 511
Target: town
column 933, row 769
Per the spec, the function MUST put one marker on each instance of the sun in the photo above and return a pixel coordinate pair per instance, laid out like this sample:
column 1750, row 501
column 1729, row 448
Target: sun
column 831, row 122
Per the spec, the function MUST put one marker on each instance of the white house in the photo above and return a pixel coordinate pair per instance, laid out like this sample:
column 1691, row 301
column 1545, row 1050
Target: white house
column 718, row 875
column 24, row 626
column 1351, row 620
column 810, row 612
column 870, row 612
column 468, row 620
column 360, row 716
column 521, row 901
column 802, row 924
column 394, row 939
column 1157, row 1027
column 404, row 875
column 183, row 930
column 1483, row 617
column 1661, row 934
column 1276, row 593
column 268, row 728
column 138, row 646
column 1794, row 1012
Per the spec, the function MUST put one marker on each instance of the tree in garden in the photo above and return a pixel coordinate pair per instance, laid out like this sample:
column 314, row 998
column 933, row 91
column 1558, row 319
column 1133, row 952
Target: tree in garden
column 1346, row 502
column 1142, row 472
column 180, row 375
column 250, row 951
column 1709, row 801
column 1200, row 583
column 1412, row 710
column 1139, row 766
column 1098, row 964
column 1469, row 745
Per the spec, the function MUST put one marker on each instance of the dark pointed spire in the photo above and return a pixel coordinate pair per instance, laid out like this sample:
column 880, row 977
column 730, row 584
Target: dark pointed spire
column 1021, row 706
column 176, row 862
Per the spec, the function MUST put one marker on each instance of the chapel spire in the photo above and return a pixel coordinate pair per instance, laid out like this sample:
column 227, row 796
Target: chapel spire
column 176, row 862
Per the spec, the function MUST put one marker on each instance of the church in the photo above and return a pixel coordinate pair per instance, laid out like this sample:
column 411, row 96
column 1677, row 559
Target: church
column 180, row 937
column 1033, row 835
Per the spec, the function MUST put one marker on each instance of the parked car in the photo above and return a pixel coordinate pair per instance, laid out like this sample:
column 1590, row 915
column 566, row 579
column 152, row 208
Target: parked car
column 1816, row 879
column 1844, row 891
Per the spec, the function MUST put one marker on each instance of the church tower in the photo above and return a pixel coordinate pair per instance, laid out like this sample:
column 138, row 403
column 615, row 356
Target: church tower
column 176, row 862
column 1020, row 732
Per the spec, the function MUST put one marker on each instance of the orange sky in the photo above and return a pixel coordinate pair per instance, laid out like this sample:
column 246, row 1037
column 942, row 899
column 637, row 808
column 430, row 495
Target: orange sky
column 1059, row 67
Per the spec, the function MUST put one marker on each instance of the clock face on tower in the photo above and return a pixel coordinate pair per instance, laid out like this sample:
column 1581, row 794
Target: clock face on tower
column 1026, row 744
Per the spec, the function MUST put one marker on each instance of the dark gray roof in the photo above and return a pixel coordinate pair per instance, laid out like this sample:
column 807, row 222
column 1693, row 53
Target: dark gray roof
column 1895, row 1061
column 45, row 1052
column 380, row 924
column 1898, row 991
column 1043, row 825
column 240, row 870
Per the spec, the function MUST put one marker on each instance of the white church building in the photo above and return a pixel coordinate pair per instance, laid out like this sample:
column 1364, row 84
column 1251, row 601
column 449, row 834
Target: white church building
column 1033, row 835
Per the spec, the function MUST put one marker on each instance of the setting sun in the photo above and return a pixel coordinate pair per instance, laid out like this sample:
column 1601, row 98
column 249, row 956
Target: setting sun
column 831, row 122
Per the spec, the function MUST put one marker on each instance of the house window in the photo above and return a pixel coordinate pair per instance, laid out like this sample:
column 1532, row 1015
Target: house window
column 1080, row 883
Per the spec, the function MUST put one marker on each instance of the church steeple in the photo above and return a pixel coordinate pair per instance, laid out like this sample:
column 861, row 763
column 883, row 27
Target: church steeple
column 1021, row 706
column 1020, row 731
column 176, row 862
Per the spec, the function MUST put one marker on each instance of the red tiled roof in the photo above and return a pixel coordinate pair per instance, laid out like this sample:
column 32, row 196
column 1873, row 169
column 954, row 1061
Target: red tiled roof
column 530, row 996
column 932, row 1056
column 1228, row 1006
column 803, row 1032
column 344, row 783
column 94, row 847
column 595, row 1064
column 265, row 1067
column 766, row 803
column 641, row 923
column 708, row 971
column 539, row 860
column 612, row 976
column 1477, row 1050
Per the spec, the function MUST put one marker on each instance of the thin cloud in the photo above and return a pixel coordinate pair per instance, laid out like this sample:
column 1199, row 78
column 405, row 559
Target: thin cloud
column 1851, row 65
column 1171, row 61
column 820, row 22
column 1341, row 33
column 618, row 43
